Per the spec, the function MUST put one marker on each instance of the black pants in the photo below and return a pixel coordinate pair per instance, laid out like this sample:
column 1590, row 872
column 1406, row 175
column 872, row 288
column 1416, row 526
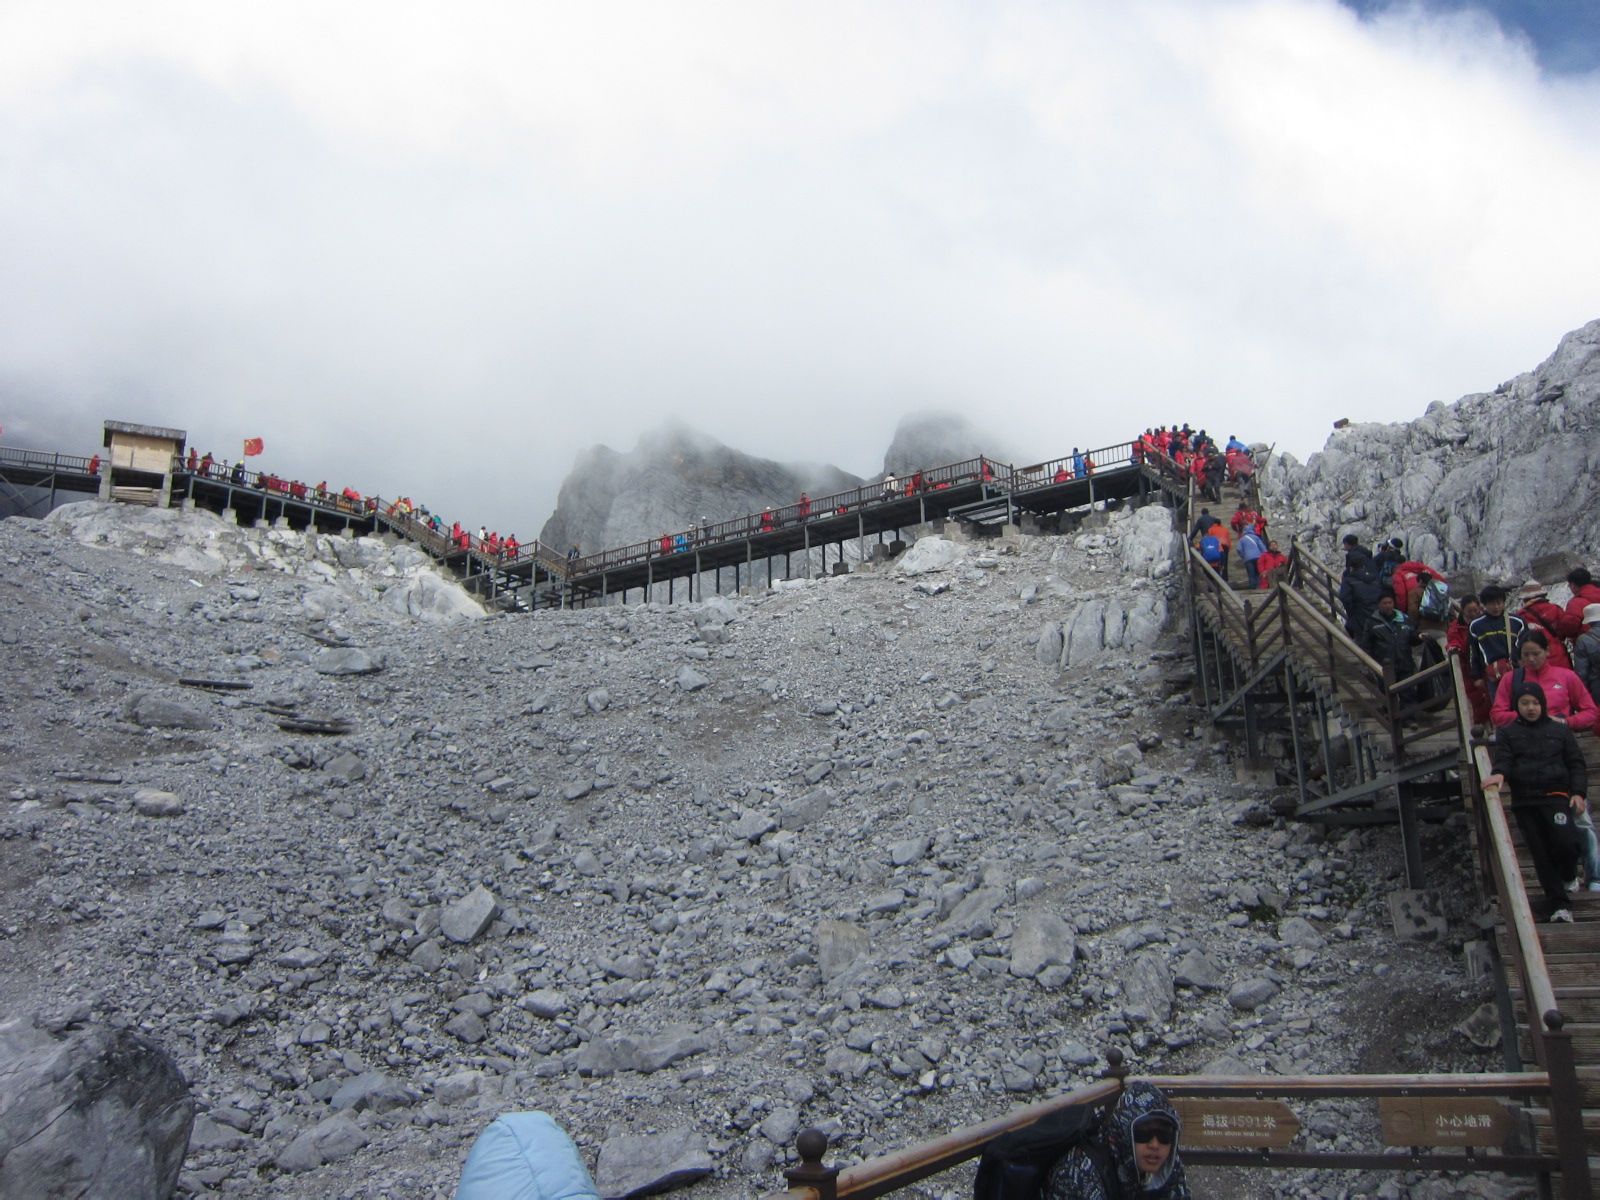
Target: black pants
column 1555, row 843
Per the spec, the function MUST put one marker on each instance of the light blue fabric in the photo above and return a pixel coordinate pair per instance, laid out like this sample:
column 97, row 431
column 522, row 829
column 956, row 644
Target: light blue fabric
column 525, row 1156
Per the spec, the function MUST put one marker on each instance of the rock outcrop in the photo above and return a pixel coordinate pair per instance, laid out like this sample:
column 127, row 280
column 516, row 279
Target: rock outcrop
column 674, row 478
column 1491, row 482
column 339, row 571
column 95, row 1112
column 930, row 439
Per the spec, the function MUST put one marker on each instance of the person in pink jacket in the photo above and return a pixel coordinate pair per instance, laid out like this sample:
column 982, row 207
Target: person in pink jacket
column 1566, row 698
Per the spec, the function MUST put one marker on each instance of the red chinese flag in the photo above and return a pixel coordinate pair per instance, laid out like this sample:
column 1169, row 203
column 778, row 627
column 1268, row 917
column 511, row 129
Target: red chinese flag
column 252, row 447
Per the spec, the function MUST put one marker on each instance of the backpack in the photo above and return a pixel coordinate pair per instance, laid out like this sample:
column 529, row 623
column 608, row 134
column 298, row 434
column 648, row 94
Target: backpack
column 1211, row 549
column 1016, row 1165
column 1435, row 603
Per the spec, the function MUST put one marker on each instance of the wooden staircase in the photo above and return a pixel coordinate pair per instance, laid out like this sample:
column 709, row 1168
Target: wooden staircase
column 1296, row 628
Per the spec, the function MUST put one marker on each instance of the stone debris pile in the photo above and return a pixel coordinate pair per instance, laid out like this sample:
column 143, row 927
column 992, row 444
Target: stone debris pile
column 849, row 853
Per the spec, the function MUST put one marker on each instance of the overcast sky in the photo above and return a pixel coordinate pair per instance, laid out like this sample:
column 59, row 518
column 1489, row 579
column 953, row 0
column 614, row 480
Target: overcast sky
column 438, row 249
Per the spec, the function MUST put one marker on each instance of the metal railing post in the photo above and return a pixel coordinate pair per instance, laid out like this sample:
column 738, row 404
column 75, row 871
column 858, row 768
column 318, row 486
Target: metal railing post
column 1566, row 1108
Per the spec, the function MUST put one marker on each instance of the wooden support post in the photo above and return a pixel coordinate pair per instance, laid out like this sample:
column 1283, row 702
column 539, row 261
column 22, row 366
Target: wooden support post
column 1294, row 732
column 1410, row 834
column 1566, row 1109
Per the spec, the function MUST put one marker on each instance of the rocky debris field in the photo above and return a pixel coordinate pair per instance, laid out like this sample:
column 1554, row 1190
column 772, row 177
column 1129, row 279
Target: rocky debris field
column 884, row 854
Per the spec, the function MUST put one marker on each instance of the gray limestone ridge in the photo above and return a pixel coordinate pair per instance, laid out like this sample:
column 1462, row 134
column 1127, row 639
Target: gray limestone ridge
column 1493, row 481
column 676, row 477
column 932, row 438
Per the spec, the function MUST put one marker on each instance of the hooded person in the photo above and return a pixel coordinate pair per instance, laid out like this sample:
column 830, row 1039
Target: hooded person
column 525, row 1155
column 1132, row 1156
column 1586, row 651
column 1359, row 591
column 1541, row 760
column 1537, row 612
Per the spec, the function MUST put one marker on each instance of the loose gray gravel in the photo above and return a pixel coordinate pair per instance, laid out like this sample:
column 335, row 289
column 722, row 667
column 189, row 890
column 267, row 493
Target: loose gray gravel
column 853, row 853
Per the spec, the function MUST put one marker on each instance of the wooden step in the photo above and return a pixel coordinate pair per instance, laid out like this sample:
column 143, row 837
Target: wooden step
column 1579, row 1004
column 1589, row 1086
column 1581, row 937
column 1585, row 1042
column 1546, row 1138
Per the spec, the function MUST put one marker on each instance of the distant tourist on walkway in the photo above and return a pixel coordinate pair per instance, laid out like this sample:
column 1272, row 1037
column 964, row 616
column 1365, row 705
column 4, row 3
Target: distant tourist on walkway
column 1536, row 609
column 1585, row 591
column 891, row 488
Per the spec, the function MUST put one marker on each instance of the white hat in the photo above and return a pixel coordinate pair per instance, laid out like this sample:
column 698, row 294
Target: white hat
column 1591, row 614
column 1533, row 588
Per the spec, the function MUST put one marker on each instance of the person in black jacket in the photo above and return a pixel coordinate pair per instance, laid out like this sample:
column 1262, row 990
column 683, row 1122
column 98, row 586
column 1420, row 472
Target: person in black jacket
column 1358, row 591
column 1549, row 781
column 1389, row 636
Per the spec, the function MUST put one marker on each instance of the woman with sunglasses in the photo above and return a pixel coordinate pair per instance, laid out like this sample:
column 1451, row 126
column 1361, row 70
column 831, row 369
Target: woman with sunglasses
column 1132, row 1156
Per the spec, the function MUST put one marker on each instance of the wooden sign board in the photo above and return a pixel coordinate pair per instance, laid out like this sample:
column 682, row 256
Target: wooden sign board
column 1444, row 1121
column 1253, row 1124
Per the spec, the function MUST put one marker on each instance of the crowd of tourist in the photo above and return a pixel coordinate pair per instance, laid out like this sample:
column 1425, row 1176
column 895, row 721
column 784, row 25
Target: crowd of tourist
column 1531, row 670
column 1186, row 453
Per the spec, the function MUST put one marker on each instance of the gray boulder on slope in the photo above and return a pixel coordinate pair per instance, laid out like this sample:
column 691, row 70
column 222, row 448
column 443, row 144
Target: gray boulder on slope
column 98, row 1112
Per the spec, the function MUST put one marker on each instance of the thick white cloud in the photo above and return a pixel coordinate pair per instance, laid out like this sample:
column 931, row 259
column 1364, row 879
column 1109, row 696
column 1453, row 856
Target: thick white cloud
column 439, row 248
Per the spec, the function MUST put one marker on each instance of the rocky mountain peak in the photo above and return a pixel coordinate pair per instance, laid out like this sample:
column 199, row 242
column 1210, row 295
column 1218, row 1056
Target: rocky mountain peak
column 927, row 439
column 1488, row 483
column 674, row 477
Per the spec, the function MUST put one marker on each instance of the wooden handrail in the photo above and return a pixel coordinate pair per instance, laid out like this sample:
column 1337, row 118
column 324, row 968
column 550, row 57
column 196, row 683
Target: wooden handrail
column 1502, row 1083
column 901, row 1168
column 1514, row 898
column 890, row 1172
column 1339, row 635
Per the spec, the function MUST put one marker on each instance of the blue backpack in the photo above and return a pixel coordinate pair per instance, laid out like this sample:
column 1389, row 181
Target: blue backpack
column 1211, row 549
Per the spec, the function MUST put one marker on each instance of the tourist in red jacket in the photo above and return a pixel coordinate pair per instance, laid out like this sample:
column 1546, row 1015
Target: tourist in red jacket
column 1269, row 564
column 1409, row 579
column 1537, row 611
column 1585, row 591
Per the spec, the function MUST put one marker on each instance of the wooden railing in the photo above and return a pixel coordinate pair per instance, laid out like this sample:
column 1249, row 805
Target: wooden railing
column 1552, row 1042
column 44, row 460
column 813, row 1179
column 1003, row 478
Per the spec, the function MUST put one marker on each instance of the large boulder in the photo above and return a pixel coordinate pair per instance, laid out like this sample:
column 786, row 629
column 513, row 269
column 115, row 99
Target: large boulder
column 430, row 597
column 95, row 1112
column 1149, row 544
column 932, row 553
column 644, row 1164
